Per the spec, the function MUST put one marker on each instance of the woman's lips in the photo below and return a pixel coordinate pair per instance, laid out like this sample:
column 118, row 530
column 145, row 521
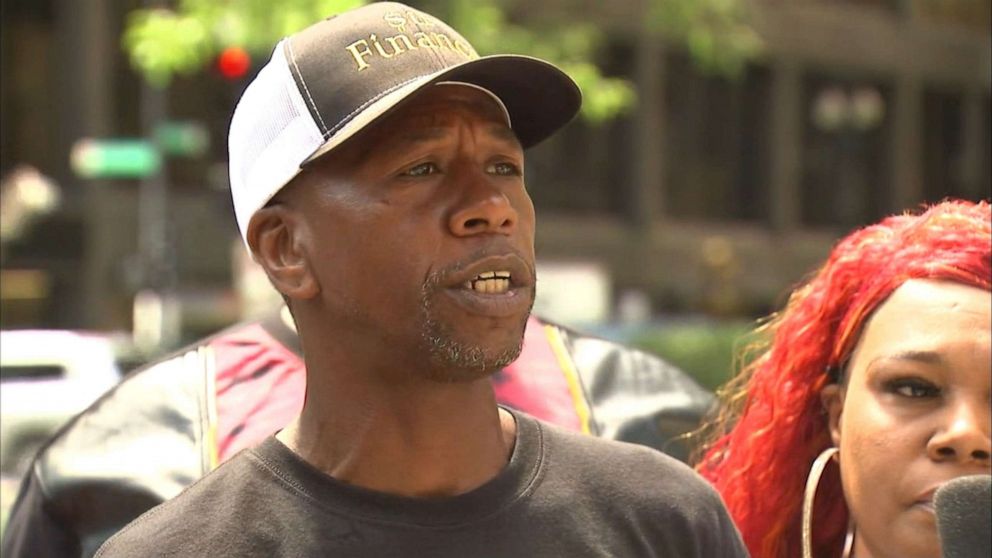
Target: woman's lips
column 924, row 500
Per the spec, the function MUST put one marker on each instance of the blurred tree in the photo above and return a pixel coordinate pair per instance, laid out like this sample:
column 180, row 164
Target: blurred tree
column 162, row 42
column 716, row 33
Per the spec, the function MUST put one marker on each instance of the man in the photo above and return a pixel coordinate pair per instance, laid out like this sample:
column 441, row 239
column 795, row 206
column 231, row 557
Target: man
column 230, row 391
column 376, row 169
column 177, row 418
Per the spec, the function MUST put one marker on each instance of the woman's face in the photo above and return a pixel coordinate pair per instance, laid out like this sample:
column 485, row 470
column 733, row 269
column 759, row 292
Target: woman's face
column 914, row 412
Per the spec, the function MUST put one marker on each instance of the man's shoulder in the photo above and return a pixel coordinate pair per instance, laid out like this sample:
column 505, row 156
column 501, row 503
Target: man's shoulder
column 613, row 465
column 639, row 491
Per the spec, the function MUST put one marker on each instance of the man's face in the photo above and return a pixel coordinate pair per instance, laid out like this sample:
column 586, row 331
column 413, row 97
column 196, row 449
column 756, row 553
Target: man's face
column 420, row 234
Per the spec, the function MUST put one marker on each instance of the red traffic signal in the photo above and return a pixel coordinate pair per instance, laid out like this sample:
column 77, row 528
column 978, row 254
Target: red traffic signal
column 233, row 62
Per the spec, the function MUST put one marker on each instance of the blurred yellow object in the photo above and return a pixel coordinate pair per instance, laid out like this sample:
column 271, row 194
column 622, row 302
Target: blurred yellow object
column 24, row 284
column 25, row 194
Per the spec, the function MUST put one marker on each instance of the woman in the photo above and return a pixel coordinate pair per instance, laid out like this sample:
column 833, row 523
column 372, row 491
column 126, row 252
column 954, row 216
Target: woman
column 877, row 375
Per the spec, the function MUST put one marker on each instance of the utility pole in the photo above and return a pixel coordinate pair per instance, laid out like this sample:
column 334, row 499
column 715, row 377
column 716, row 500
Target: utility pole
column 156, row 306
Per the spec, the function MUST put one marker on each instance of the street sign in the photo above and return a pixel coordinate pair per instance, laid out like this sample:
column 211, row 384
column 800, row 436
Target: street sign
column 184, row 139
column 114, row 158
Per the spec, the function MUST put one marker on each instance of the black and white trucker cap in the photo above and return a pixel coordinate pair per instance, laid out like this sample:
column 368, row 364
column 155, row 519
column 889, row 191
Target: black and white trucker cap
column 332, row 79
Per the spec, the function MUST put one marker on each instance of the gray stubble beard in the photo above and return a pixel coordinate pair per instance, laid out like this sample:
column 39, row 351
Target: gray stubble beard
column 454, row 361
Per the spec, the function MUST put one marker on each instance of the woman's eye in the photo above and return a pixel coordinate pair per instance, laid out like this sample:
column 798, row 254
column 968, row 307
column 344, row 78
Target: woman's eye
column 423, row 169
column 913, row 388
column 504, row 169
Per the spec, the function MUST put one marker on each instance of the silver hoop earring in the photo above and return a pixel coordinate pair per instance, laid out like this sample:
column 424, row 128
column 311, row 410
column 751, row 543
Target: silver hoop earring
column 848, row 540
column 809, row 495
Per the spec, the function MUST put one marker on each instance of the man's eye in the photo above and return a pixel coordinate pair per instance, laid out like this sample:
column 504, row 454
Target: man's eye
column 423, row 169
column 504, row 169
column 913, row 388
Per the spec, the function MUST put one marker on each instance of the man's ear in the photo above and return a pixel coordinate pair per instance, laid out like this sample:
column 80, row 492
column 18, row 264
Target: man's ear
column 832, row 397
column 276, row 237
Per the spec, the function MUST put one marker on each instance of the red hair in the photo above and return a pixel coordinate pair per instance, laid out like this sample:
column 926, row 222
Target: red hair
column 772, row 424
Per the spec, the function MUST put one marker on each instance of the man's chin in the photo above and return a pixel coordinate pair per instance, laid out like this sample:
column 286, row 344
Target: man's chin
column 457, row 357
column 454, row 362
column 464, row 347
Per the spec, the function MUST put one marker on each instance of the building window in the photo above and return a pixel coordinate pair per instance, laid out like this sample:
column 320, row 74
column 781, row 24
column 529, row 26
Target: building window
column 716, row 134
column 844, row 178
column 589, row 168
column 955, row 159
column 584, row 169
column 28, row 92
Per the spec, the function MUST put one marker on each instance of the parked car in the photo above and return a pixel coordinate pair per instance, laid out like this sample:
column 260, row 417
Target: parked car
column 47, row 377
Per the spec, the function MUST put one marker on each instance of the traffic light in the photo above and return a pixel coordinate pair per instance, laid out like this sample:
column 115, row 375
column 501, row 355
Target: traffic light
column 233, row 63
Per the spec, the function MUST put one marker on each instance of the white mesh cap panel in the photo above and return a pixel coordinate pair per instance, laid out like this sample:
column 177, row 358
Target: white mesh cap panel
column 271, row 133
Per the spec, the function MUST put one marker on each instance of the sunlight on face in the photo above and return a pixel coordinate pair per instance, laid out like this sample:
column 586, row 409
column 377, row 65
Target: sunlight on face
column 400, row 225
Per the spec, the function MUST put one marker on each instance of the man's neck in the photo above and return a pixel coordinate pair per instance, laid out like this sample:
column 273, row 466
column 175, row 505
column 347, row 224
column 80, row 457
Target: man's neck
column 434, row 440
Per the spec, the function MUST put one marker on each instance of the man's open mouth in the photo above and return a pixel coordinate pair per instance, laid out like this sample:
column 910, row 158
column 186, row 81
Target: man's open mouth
column 490, row 282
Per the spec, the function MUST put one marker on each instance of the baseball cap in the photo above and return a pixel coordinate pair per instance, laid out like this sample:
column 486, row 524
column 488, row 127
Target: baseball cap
column 327, row 82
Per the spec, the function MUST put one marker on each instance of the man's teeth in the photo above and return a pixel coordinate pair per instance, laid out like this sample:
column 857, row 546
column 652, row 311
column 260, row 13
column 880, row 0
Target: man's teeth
column 490, row 282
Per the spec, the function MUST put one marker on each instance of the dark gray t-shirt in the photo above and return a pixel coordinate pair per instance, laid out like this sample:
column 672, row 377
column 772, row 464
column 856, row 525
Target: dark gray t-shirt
column 561, row 495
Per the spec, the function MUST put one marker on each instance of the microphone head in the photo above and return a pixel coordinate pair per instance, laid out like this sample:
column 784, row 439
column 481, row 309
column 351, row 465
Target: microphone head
column 964, row 517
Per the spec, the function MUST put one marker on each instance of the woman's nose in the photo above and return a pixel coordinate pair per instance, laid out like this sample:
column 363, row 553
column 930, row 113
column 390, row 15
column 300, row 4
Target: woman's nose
column 965, row 435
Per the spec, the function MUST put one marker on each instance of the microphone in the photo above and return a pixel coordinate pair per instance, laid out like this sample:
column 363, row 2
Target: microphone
column 964, row 517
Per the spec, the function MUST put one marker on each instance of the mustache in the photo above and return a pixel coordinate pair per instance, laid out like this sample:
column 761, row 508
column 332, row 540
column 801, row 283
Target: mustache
column 441, row 276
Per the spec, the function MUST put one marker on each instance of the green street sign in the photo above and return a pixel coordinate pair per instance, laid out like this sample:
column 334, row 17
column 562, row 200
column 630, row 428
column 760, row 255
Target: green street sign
column 183, row 139
column 115, row 158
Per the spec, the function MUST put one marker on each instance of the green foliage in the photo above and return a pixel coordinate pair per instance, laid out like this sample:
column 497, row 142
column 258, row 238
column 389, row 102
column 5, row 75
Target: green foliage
column 715, row 32
column 603, row 97
column 165, row 42
column 162, row 43
column 705, row 351
column 572, row 45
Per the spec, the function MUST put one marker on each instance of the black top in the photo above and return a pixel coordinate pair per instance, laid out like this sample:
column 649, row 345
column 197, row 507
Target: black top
column 561, row 494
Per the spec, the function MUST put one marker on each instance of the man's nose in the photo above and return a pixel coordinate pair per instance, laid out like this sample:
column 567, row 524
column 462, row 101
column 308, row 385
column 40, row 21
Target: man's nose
column 965, row 435
column 482, row 207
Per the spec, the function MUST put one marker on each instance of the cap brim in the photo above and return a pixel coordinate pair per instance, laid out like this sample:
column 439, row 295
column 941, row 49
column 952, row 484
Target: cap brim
column 539, row 97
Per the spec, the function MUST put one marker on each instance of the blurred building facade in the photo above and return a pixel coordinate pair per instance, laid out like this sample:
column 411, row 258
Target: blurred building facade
column 857, row 109
column 714, row 195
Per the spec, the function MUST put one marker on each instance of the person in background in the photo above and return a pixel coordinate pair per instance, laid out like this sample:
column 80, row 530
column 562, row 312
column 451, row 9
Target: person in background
column 871, row 390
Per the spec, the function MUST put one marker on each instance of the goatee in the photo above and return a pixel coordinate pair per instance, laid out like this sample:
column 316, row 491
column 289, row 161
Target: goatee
column 453, row 359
